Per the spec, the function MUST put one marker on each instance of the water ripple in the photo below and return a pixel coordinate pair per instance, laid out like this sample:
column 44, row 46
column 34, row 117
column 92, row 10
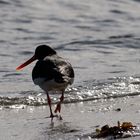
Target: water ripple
column 4, row 2
column 90, row 91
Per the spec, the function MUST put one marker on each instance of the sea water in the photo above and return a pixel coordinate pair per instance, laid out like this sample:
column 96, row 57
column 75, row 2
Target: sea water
column 101, row 39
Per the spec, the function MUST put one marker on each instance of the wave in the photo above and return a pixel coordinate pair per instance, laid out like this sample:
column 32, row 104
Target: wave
column 116, row 87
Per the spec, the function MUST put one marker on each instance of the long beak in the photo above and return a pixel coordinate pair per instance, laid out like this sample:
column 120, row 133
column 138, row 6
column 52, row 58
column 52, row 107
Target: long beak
column 26, row 63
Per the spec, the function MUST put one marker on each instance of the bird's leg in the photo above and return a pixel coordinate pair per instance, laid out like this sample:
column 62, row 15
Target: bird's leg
column 49, row 103
column 58, row 107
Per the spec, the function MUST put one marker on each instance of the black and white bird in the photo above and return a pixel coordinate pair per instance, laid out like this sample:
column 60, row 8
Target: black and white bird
column 51, row 73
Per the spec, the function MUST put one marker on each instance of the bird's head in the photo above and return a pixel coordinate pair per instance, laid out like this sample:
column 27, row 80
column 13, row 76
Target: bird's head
column 40, row 53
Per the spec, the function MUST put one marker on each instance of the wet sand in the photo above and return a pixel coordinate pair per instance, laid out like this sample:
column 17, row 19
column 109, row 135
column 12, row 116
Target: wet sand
column 80, row 120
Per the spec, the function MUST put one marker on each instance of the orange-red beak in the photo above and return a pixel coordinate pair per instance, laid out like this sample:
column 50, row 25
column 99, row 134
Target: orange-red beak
column 26, row 63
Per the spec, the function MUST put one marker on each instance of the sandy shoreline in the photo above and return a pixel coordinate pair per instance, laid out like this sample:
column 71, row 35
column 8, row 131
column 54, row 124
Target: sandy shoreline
column 79, row 119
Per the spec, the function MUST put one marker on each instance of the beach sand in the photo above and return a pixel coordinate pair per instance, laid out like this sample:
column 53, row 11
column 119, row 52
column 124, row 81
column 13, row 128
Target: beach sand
column 80, row 120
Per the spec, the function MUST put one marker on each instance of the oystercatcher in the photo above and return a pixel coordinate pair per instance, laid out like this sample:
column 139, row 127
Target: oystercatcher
column 51, row 73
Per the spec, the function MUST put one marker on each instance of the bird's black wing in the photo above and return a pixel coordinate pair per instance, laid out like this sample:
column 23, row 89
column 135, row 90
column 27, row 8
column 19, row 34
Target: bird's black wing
column 47, row 70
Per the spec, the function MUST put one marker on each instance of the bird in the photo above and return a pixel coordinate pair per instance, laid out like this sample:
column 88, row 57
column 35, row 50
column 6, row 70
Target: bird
column 51, row 73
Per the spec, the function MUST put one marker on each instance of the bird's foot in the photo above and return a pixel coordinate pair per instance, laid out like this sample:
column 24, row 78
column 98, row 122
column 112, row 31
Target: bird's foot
column 60, row 117
column 52, row 116
column 58, row 108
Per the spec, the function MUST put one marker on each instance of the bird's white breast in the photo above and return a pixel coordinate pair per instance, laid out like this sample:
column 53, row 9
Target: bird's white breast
column 50, row 85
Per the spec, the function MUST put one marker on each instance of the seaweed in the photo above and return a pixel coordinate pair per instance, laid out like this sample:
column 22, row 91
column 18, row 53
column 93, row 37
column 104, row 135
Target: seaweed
column 115, row 131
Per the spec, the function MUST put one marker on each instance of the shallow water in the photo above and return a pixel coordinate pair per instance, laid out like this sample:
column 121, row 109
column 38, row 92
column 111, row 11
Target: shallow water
column 100, row 38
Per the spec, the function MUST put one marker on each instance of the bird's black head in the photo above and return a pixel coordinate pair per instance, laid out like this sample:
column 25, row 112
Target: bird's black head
column 42, row 51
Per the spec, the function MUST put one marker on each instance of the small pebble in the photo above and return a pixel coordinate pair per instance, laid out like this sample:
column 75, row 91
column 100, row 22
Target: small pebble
column 118, row 109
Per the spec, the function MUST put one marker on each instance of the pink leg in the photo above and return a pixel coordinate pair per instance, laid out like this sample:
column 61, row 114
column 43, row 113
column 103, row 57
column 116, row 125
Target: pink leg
column 49, row 103
column 58, row 107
